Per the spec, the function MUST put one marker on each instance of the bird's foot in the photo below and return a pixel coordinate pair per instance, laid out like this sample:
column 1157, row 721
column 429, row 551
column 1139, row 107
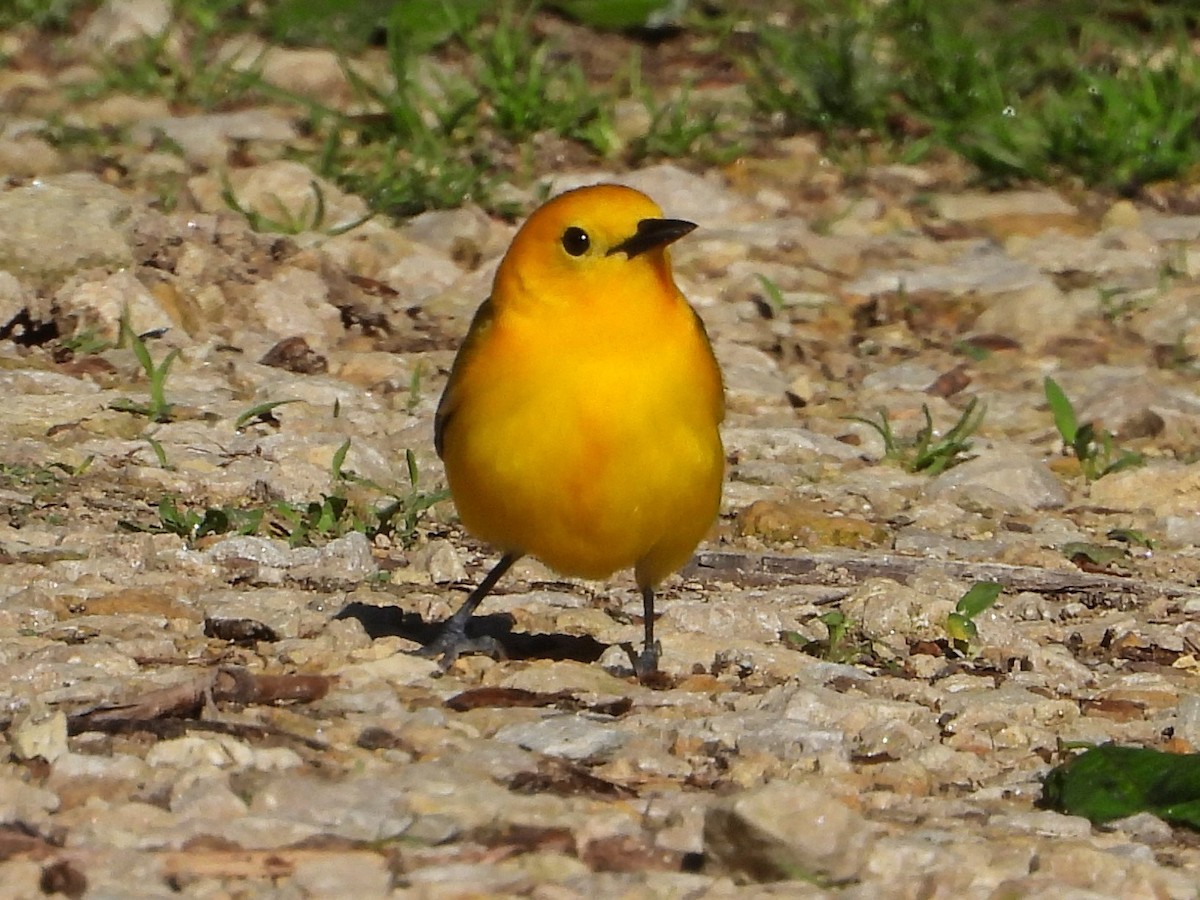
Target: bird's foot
column 454, row 642
column 645, row 664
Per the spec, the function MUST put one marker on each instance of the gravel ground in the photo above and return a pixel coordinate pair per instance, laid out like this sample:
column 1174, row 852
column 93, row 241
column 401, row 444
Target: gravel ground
column 227, row 715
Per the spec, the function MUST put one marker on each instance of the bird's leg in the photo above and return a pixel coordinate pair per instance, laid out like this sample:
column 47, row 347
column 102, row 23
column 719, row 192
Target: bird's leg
column 452, row 642
column 645, row 664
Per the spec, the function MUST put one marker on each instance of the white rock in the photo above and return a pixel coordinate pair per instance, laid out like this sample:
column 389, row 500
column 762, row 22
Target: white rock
column 39, row 733
column 569, row 736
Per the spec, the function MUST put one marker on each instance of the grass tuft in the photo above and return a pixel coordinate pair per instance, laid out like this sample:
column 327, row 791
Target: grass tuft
column 1094, row 447
column 925, row 451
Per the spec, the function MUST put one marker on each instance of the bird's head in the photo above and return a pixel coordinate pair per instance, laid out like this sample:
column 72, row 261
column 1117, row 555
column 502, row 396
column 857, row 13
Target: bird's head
column 593, row 242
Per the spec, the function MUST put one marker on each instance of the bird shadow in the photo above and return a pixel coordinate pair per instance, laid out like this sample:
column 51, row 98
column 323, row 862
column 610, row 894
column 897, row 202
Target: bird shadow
column 387, row 621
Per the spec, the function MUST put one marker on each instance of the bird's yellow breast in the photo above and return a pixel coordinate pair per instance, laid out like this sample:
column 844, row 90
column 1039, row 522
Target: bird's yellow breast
column 586, row 433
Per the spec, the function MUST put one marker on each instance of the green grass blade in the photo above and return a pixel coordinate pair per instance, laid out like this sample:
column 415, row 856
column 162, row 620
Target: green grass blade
column 1062, row 410
column 258, row 412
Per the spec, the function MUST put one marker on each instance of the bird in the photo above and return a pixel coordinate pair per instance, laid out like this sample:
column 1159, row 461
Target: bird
column 581, row 420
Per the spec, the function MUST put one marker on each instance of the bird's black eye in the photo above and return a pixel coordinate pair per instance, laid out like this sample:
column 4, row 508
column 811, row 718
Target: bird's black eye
column 576, row 241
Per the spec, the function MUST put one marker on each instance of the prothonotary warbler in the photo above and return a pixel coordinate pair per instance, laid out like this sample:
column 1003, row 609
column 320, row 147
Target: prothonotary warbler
column 580, row 421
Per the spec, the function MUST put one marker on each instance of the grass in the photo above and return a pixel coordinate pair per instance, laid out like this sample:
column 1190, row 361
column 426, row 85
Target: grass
column 352, row 504
column 44, row 15
column 157, row 409
column 436, row 145
column 1021, row 90
column 1102, row 92
column 309, row 217
column 30, row 491
column 1095, row 448
column 840, row 644
column 925, row 451
column 193, row 77
column 260, row 413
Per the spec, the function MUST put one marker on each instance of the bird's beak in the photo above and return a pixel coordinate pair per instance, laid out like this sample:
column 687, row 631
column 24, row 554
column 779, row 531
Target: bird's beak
column 652, row 233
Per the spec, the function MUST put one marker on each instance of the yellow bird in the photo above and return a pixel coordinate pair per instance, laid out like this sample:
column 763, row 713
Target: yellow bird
column 580, row 421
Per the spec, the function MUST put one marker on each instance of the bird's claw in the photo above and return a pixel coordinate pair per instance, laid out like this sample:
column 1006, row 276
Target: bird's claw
column 645, row 664
column 453, row 643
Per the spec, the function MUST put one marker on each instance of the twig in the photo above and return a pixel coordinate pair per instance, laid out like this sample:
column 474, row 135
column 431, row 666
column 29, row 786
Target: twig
column 845, row 569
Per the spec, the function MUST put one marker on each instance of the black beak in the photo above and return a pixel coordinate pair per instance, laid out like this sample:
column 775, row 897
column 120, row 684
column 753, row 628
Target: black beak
column 652, row 233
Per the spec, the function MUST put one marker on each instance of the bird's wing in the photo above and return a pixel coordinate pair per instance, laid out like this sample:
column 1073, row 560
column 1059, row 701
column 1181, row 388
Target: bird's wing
column 719, row 398
column 480, row 324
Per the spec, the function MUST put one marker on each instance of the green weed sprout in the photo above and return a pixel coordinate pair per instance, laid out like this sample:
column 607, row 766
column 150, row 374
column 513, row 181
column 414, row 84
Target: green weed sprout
column 303, row 523
column 960, row 624
column 1095, row 448
column 837, row 646
column 924, row 451
column 261, row 412
column 158, row 409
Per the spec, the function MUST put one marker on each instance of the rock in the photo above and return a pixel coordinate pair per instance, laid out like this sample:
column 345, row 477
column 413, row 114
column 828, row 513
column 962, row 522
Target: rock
column 39, row 734
column 24, row 803
column 120, row 25
column 99, row 305
column 853, row 716
column 766, row 732
column 567, row 675
column 207, row 139
column 926, row 543
column 1010, row 717
column 359, row 808
column 902, row 177
column 1173, row 228
column 902, row 377
column 206, row 796
column 785, row 445
column 398, row 668
column 894, row 614
column 1188, row 719
column 1044, row 822
column 1098, row 255
column 23, row 877
column 1035, row 315
column 14, row 299
column 464, row 234
column 361, row 875
column 1004, row 480
column 752, row 378
column 756, row 836
column 345, row 559
column 314, row 72
column 750, row 620
column 122, row 826
column 443, row 563
column 296, row 301
column 1162, row 488
column 58, row 225
column 681, row 194
column 631, row 120
column 982, row 271
column 421, row 275
column 1009, row 212
column 1122, row 214
column 569, row 737
column 220, row 752
column 806, row 524
column 1124, row 401
column 1145, row 829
